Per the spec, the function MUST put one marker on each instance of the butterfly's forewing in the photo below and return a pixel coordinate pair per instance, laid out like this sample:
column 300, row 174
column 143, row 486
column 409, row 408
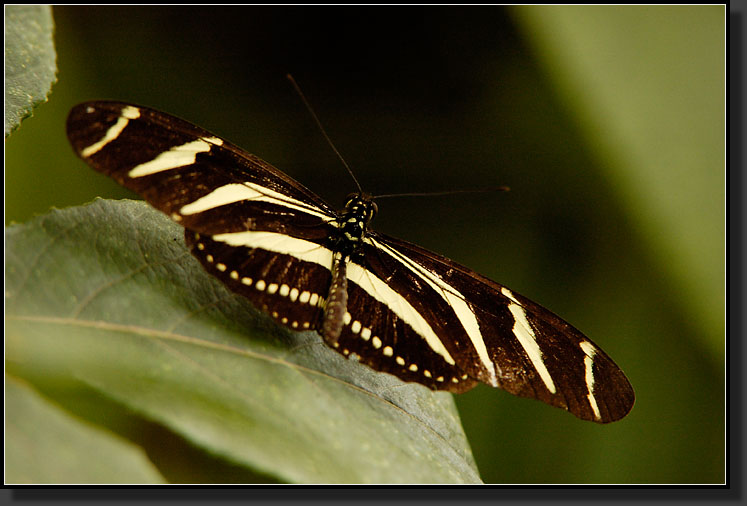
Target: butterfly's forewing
column 172, row 164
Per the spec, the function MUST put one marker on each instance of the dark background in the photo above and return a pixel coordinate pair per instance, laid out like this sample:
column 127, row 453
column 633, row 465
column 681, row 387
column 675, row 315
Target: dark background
column 431, row 99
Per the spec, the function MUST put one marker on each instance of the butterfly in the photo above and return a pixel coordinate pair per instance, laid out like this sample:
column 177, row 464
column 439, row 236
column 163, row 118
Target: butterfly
column 390, row 304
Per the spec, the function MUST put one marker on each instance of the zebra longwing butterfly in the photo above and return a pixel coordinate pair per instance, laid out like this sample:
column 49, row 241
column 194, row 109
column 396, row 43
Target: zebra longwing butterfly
column 395, row 306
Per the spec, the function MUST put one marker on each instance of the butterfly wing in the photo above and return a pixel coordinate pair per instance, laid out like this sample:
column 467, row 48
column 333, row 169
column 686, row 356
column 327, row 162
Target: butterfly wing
column 252, row 226
column 187, row 172
column 481, row 331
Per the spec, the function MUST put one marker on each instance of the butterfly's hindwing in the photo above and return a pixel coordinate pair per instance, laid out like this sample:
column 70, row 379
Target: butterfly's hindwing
column 386, row 340
column 289, row 289
column 397, row 307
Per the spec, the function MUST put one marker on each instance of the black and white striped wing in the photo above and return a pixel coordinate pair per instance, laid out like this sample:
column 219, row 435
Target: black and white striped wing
column 189, row 173
column 249, row 224
column 474, row 330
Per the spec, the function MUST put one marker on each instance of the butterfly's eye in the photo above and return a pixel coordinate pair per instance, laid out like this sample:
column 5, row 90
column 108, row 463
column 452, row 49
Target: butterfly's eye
column 350, row 198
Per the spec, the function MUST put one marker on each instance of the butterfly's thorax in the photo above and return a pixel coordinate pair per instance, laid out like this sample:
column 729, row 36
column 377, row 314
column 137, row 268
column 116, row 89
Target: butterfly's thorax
column 352, row 224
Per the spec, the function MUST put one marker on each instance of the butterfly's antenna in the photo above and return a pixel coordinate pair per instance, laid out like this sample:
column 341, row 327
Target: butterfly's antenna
column 319, row 124
column 450, row 192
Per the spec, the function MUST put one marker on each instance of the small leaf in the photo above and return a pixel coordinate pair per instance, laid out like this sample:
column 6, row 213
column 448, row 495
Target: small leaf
column 44, row 444
column 107, row 295
column 30, row 66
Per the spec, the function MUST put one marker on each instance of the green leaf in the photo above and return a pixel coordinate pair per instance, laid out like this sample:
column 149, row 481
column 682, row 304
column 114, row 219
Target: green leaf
column 107, row 296
column 30, row 66
column 45, row 444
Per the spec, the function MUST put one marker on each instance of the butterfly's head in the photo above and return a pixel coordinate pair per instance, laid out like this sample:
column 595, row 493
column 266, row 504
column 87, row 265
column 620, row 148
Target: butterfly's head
column 361, row 206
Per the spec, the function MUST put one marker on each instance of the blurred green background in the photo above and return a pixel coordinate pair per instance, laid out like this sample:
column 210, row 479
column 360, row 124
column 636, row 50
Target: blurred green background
column 606, row 122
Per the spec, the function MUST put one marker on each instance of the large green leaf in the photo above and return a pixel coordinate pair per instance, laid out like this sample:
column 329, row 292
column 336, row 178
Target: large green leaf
column 108, row 297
